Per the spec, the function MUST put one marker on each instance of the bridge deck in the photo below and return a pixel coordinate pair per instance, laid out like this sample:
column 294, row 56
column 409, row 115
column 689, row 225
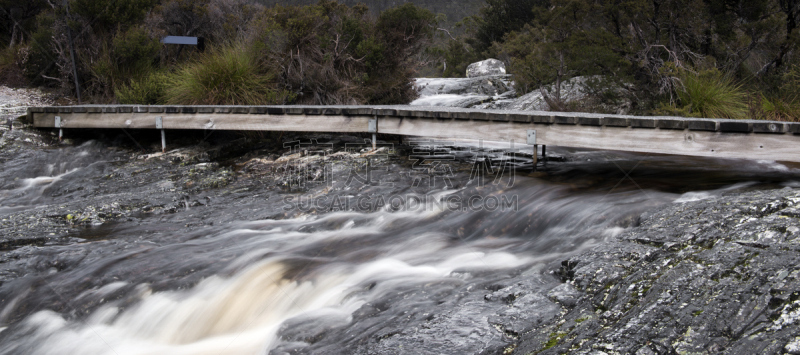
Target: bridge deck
column 746, row 139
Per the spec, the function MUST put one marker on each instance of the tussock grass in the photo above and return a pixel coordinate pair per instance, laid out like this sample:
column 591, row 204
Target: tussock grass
column 712, row 95
column 149, row 90
column 228, row 75
column 775, row 108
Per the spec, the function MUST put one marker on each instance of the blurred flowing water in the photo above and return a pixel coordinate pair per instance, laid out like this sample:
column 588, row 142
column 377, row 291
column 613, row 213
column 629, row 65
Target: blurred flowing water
column 324, row 283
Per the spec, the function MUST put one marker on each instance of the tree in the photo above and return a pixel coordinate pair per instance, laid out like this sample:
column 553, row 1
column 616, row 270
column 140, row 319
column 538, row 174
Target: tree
column 18, row 19
column 566, row 40
column 791, row 12
column 499, row 17
column 329, row 53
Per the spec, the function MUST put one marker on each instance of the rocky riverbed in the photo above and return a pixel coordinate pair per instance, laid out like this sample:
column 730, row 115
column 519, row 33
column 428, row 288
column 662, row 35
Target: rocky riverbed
column 718, row 275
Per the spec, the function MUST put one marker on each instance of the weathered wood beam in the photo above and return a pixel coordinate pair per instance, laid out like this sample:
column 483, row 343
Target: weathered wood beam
column 720, row 138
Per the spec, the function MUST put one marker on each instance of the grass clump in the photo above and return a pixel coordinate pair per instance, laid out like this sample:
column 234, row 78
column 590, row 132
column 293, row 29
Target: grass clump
column 225, row 76
column 713, row 95
column 149, row 90
column 775, row 108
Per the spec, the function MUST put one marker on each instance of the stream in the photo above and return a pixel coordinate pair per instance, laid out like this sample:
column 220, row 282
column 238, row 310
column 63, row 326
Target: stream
column 456, row 264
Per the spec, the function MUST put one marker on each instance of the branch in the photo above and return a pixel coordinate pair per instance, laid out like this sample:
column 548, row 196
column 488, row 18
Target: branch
column 52, row 78
column 446, row 31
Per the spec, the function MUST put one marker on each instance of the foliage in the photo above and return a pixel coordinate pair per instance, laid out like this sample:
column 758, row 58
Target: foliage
column 499, row 17
column 775, row 108
column 322, row 53
column 333, row 54
column 551, row 50
column 108, row 15
column 148, row 90
column 457, row 57
column 405, row 30
column 10, row 74
column 219, row 21
column 135, row 49
column 712, row 95
column 37, row 56
column 129, row 54
column 18, row 19
column 790, row 82
column 643, row 42
column 227, row 75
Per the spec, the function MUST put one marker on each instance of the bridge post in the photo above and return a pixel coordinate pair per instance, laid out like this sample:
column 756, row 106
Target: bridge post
column 160, row 125
column 373, row 128
column 532, row 141
column 58, row 125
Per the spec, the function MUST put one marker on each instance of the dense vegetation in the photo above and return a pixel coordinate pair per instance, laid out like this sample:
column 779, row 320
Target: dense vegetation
column 324, row 53
column 728, row 58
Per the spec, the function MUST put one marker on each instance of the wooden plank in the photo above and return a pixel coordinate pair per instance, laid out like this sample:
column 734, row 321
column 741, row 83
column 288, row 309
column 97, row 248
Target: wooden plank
column 232, row 121
column 463, row 124
column 782, row 147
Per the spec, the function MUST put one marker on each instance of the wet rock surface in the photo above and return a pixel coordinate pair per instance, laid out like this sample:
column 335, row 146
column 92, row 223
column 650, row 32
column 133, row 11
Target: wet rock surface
column 703, row 276
column 119, row 200
column 463, row 92
column 486, row 67
column 497, row 92
column 713, row 276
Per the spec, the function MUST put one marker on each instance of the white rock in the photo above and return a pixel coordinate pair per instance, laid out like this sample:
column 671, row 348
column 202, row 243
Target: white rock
column 486, row 67
column 793, row 347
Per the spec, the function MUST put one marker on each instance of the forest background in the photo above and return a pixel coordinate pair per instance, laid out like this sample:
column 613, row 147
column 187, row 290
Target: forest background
column 708, row 58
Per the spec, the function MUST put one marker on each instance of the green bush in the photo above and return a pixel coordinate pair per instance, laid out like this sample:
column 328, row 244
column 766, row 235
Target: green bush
column 39, row 59
column 111, row 14
column 775, row 108
column 10, row 72
column 134, row 50
column 226, row 76
column 457, row 57
column 331, row 54
column 8, row 57
column 128, row 55
column 149, row 90
column 710, row 94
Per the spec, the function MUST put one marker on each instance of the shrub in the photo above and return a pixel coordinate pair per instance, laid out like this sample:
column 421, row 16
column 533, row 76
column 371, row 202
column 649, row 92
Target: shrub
column 775, row 108
column 135, row 51
column 329, row 53
column 127, row 55
column 228, row 75
column 711, row 94
column 111, row 14
column 8, row 60
column 149, row 90
column 38, row 56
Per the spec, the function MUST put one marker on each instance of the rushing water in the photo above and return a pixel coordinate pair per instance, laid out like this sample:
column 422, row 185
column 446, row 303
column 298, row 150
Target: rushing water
column 388, row 280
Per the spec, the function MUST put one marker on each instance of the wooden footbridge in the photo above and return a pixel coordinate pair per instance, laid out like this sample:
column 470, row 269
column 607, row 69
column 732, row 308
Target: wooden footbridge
column 744, row 139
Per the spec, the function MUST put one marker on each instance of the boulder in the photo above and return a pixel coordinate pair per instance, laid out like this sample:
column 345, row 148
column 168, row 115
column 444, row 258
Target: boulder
column 462, row 92
column 581, row 93
column 487, row 86
column 486, row 67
